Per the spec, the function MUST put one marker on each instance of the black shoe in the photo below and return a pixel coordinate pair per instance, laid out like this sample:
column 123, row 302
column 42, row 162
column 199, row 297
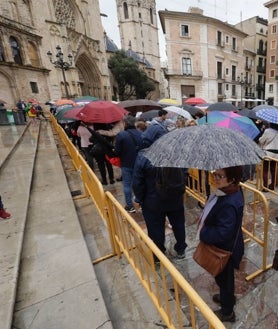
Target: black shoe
column 112, row 181
column 271, row 187
column 225, row 318
column 216, row 298
column 119, row 179
column 130, row 209
column 104, row 182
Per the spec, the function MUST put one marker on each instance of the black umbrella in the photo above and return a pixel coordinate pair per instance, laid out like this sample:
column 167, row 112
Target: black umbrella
column 139, row 105
column 222, row 106
column 194, row 111
column 204, row 147
column 248, row 113
column 148, row 116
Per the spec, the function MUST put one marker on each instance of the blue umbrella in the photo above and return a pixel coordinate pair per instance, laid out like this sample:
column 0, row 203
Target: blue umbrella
column 268, row 114
column 233, row 121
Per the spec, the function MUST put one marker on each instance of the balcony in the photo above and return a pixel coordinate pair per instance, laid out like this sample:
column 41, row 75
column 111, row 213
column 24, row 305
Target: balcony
column 248, row 67
column 192, row 75
column 220, row 44
column 259, row 86
column 261, row 69
column 261, row 52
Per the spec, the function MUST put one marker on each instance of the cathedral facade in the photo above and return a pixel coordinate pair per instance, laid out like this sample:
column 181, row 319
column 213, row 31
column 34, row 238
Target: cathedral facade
column 29, row 29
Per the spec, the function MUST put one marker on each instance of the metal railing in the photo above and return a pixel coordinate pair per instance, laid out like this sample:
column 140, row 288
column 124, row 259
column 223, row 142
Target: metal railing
column 256, row 211
column 175, row 299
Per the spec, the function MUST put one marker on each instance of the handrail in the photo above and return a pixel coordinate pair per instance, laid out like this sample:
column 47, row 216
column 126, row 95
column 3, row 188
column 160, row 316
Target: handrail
column 126, row 237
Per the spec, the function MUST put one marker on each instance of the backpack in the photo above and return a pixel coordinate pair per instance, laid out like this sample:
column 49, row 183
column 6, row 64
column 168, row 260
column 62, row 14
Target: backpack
column 170, row 182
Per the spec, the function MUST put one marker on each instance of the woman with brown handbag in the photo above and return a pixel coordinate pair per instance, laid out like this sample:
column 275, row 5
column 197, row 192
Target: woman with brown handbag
column 220, row 225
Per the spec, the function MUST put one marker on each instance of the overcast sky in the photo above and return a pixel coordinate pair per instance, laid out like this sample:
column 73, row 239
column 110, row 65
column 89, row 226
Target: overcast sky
column 231, row 11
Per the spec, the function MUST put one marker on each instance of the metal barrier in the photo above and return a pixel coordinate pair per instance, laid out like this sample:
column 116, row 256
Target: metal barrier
column 255, row 223
column 166, row 286
column 177, row 302
column 92, row 186
column 267, row 163
column 196, row 184
column 256, row 213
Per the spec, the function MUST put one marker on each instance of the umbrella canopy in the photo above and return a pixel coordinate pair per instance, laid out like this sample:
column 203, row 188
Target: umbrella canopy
column 222, row 106
column 263, row 107
column 194, row 111
column 140, row 105
column 50, row 102
column 194, row 101
column 148, row 116
column 64, row 101
column 64, row 116
column 233, row 121
column 204, row 147
column 83, row 100
column 179, row 111
column 33, row 101
column 168, row 102
column 101, row 112
column 248, row 113
column 269, row 115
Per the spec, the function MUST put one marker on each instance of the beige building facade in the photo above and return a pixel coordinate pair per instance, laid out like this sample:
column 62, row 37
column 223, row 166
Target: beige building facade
column 205, row 56
column 271, row 86
column 255, row 51
column 29, row 29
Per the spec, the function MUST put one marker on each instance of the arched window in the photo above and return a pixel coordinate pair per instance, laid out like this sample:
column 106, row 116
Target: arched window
column 15, row 50
column 33, row 55
column 151, row 15
column 125, row 10
column 2, row 57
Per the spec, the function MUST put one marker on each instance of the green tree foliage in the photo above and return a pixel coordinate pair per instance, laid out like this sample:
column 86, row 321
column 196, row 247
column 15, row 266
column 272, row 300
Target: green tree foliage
column 131, row 80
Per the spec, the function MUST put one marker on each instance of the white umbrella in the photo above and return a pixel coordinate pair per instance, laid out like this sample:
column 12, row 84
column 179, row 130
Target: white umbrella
column 179, row 111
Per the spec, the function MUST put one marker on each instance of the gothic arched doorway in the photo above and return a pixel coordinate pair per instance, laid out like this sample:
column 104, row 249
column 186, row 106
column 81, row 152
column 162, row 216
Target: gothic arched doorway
column 89, row 77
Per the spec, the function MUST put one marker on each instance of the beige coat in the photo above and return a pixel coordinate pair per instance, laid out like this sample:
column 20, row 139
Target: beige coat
column 269, row 140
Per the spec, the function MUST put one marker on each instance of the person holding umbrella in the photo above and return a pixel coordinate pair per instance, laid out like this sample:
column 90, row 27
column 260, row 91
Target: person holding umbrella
column 269, row 142
column 220, row 225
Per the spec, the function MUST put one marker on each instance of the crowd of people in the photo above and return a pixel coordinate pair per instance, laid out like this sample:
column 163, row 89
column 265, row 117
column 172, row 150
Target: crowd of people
column 221, row 218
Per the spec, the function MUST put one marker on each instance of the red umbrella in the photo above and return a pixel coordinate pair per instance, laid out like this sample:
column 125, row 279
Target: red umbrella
column 33, row 101
column 101, row 112
column 71, row 113
column 194, row 101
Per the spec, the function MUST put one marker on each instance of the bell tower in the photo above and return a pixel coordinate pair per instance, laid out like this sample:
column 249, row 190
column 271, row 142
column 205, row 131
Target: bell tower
column 139, row 31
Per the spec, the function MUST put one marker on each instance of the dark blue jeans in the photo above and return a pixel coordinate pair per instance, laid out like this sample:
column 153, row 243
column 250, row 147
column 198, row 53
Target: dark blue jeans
column 155, row 221
column 127, row 174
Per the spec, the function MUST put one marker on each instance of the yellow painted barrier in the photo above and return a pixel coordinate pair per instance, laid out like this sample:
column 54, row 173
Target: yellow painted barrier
column 166, row 286
column 175, row 299
column 256, row 224
column 256, row 211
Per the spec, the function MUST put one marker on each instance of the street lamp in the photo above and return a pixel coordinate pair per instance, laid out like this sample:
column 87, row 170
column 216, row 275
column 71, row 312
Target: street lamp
column 243, row 82
column 60, row 63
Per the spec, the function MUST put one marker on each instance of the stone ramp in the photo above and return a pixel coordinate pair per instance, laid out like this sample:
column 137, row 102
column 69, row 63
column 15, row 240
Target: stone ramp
column 55, row 285
column 18, row 154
